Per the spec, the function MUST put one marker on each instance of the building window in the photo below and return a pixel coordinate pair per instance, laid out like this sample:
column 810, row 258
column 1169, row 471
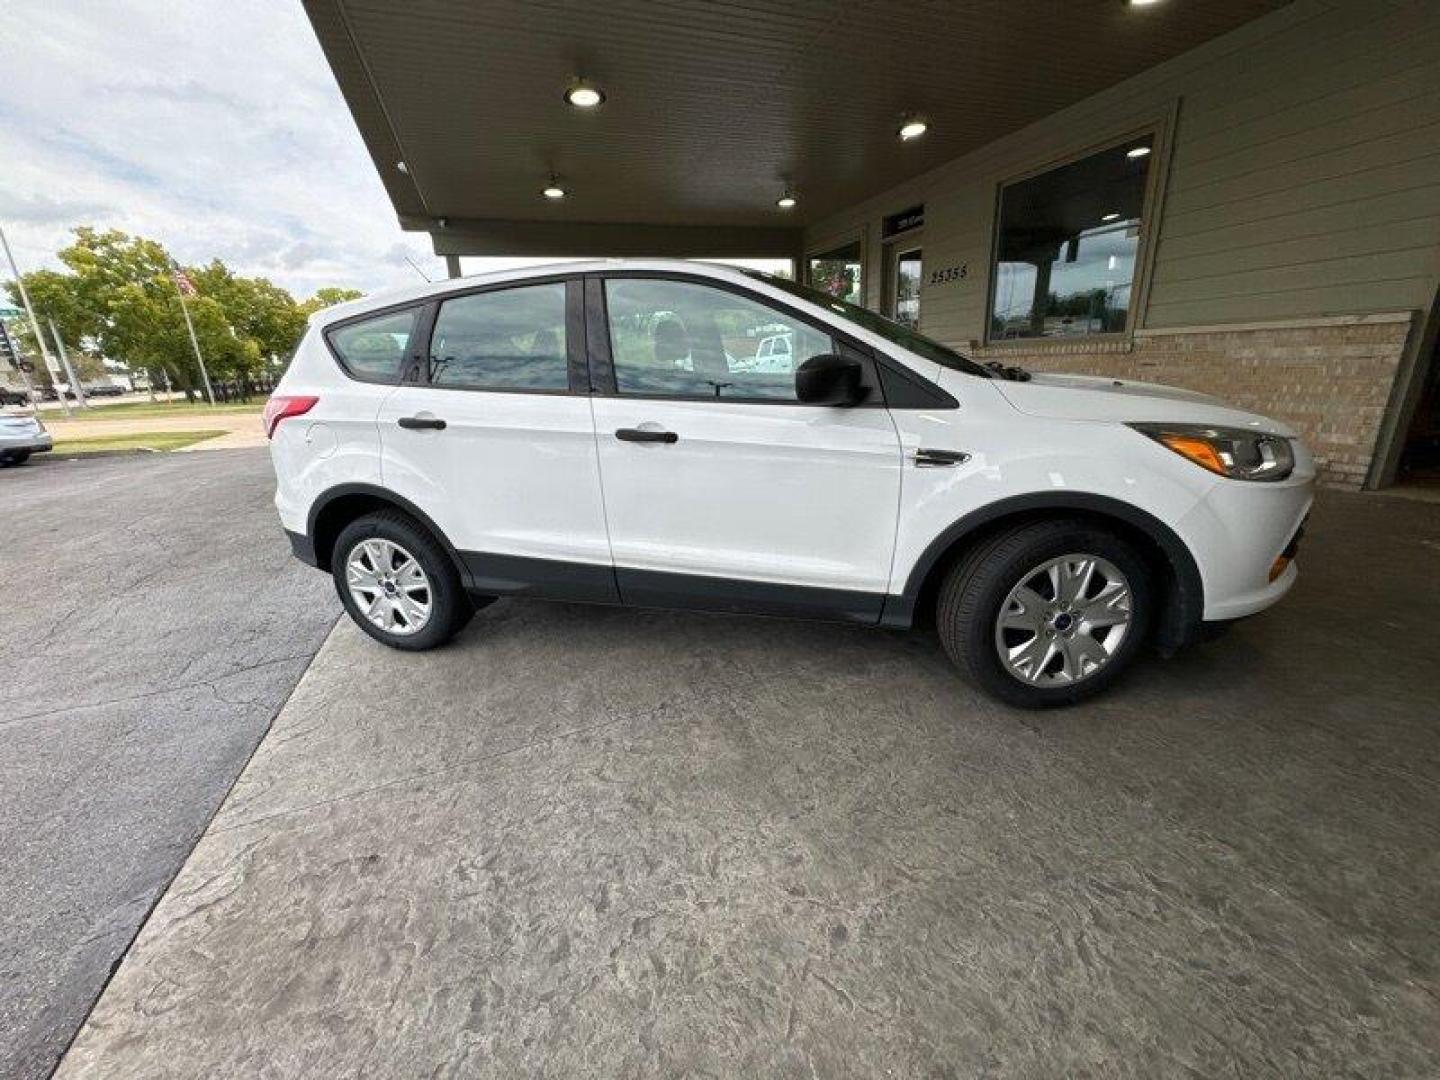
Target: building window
column 1068, row 245
column 838, row 273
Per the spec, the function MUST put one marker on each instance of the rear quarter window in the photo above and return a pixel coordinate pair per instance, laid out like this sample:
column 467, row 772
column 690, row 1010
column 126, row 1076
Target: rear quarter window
column 375, row 349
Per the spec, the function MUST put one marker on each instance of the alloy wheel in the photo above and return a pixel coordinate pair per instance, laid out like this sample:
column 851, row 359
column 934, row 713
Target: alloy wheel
column 389, row 586
column 1064, row 620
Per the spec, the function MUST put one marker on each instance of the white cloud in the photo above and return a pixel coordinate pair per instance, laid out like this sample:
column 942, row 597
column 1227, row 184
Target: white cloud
column 214, row 126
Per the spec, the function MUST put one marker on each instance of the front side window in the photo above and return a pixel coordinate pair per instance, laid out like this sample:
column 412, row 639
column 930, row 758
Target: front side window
column 685, row 339
column 838, row 273
column 508, row 339
column 374, row 349
column 1068, row 244
column 888, row 329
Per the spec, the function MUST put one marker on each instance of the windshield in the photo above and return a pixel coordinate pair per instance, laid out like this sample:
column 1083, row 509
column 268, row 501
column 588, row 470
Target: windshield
column 877, row 324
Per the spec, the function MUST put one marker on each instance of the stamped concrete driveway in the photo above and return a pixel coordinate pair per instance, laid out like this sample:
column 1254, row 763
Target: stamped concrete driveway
column 590, row 842
column 154, row 623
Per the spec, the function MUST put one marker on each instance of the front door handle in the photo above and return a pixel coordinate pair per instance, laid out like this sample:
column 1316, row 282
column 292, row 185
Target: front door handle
column 632, row 434
column 413, row 423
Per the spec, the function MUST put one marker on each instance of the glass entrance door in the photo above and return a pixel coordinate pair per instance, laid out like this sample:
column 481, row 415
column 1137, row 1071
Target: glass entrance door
column 903, row 300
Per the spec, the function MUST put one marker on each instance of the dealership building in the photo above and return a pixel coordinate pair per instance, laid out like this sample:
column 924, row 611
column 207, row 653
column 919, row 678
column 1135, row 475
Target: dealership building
column 1241, row 197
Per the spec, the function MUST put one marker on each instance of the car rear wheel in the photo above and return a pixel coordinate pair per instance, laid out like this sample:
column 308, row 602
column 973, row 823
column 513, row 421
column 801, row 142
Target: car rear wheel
column 398, row 583
column 1046, row 614
column 14, row 457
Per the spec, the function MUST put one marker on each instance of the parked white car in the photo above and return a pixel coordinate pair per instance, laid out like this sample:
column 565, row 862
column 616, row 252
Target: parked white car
column 772, row 354
column 523, row 434
column 21, row 434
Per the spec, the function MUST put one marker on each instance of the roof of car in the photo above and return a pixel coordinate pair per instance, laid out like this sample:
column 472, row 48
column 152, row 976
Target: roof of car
column 390, row 297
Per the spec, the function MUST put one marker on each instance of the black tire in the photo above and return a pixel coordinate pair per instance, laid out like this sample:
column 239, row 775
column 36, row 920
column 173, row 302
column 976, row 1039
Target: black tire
column 971, row 596
column 14, row 457
column 450, row 607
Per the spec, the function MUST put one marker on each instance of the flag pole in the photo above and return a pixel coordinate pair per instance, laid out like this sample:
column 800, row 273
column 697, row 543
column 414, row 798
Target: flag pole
column 194, row 342
column 34, row 323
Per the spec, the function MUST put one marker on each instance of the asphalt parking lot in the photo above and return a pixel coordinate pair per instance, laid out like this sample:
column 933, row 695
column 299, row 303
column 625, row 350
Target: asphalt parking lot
column 154, row 624
column 598, row 842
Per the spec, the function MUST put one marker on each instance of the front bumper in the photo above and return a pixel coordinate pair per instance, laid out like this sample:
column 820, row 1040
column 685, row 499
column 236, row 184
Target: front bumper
column 1237, row 532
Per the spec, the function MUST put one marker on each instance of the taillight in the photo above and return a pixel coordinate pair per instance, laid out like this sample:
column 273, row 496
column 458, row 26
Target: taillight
column 281, row 406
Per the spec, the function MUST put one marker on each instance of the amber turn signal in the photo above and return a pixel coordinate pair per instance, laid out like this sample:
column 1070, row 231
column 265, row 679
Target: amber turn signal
column 1278, row 566
column 1197, row 450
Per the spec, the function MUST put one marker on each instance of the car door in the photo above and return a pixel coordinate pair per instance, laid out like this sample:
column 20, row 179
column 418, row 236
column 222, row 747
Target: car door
column 721, row 489
column 493, row 439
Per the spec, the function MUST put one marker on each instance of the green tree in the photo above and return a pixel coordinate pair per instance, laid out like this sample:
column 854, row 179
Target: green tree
column 56, row 299
column 256, row 307
column 328, row 297
column 119, row 300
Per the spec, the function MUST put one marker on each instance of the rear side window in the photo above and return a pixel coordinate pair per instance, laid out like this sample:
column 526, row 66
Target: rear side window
column 374, row 349
column 508, row 339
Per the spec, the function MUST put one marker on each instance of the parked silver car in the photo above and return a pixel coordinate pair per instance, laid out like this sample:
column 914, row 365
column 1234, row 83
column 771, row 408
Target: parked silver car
column 20, row 436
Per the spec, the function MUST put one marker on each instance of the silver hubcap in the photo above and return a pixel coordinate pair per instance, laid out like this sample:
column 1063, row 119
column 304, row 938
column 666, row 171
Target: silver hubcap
column 1064, row 620
column 388, row 585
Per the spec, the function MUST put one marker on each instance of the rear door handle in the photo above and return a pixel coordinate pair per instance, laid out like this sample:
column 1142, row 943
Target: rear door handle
column 927, row 458
column 415, row 422
column 632, row 434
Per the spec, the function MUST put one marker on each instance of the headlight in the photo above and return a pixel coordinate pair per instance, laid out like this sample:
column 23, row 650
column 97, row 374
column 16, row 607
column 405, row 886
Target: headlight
column 1233, row 452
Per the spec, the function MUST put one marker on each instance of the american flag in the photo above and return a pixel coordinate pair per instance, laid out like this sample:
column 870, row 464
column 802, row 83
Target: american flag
column 184, row 284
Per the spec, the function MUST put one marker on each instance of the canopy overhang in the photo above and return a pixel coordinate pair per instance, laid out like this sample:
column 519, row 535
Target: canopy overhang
column 714, row 109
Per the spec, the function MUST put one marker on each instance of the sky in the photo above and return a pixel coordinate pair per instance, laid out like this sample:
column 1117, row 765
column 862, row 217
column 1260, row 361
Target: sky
column 213, row 126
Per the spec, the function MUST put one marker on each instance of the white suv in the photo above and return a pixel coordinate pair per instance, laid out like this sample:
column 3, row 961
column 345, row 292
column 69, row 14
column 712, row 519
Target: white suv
column 601, row 432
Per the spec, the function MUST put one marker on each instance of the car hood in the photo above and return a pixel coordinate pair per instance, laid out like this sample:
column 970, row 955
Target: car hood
column 1090, row 397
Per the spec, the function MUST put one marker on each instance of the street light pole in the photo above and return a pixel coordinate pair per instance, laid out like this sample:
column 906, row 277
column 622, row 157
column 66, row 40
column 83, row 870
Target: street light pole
column 34, row 323
column 69, row 371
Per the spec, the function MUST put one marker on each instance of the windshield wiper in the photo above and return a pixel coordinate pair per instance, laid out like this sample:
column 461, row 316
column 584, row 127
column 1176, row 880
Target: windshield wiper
column 1013, row 372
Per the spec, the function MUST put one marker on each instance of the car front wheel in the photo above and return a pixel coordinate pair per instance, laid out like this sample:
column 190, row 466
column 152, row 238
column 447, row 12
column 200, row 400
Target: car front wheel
column 14, row 457
column 397, row 583
column 1047, row 613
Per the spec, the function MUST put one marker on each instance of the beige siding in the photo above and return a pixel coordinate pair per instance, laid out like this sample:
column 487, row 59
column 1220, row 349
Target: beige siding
column 1304, row 176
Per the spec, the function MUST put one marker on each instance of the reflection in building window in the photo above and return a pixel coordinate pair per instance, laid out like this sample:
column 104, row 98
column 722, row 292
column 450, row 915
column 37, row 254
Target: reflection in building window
column 838, row 273
column 907, row 289
column 1068, row 242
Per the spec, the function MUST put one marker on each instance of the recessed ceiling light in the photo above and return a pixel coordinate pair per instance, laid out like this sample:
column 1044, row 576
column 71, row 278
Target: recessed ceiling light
column 786, row 201
column 912, row 128
column 1137, row 151
column 553, row 190
column 584, row 95
column 402, row 167
column 1113, row 215
column 1143, row 3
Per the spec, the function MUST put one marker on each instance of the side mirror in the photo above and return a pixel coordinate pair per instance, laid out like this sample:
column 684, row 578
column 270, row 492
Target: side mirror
column 830, row 379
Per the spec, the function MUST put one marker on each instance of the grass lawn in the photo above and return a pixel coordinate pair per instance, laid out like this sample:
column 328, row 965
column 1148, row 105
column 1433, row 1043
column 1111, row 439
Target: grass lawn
column 154, row 440
column 139, row 410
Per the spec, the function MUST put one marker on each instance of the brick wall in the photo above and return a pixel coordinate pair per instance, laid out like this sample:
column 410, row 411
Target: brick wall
column 1330, row 378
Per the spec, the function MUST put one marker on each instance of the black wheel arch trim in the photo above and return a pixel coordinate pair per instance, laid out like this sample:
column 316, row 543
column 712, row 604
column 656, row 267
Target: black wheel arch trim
column 1182, row 615
column 384, row 495
column 1179, row 624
